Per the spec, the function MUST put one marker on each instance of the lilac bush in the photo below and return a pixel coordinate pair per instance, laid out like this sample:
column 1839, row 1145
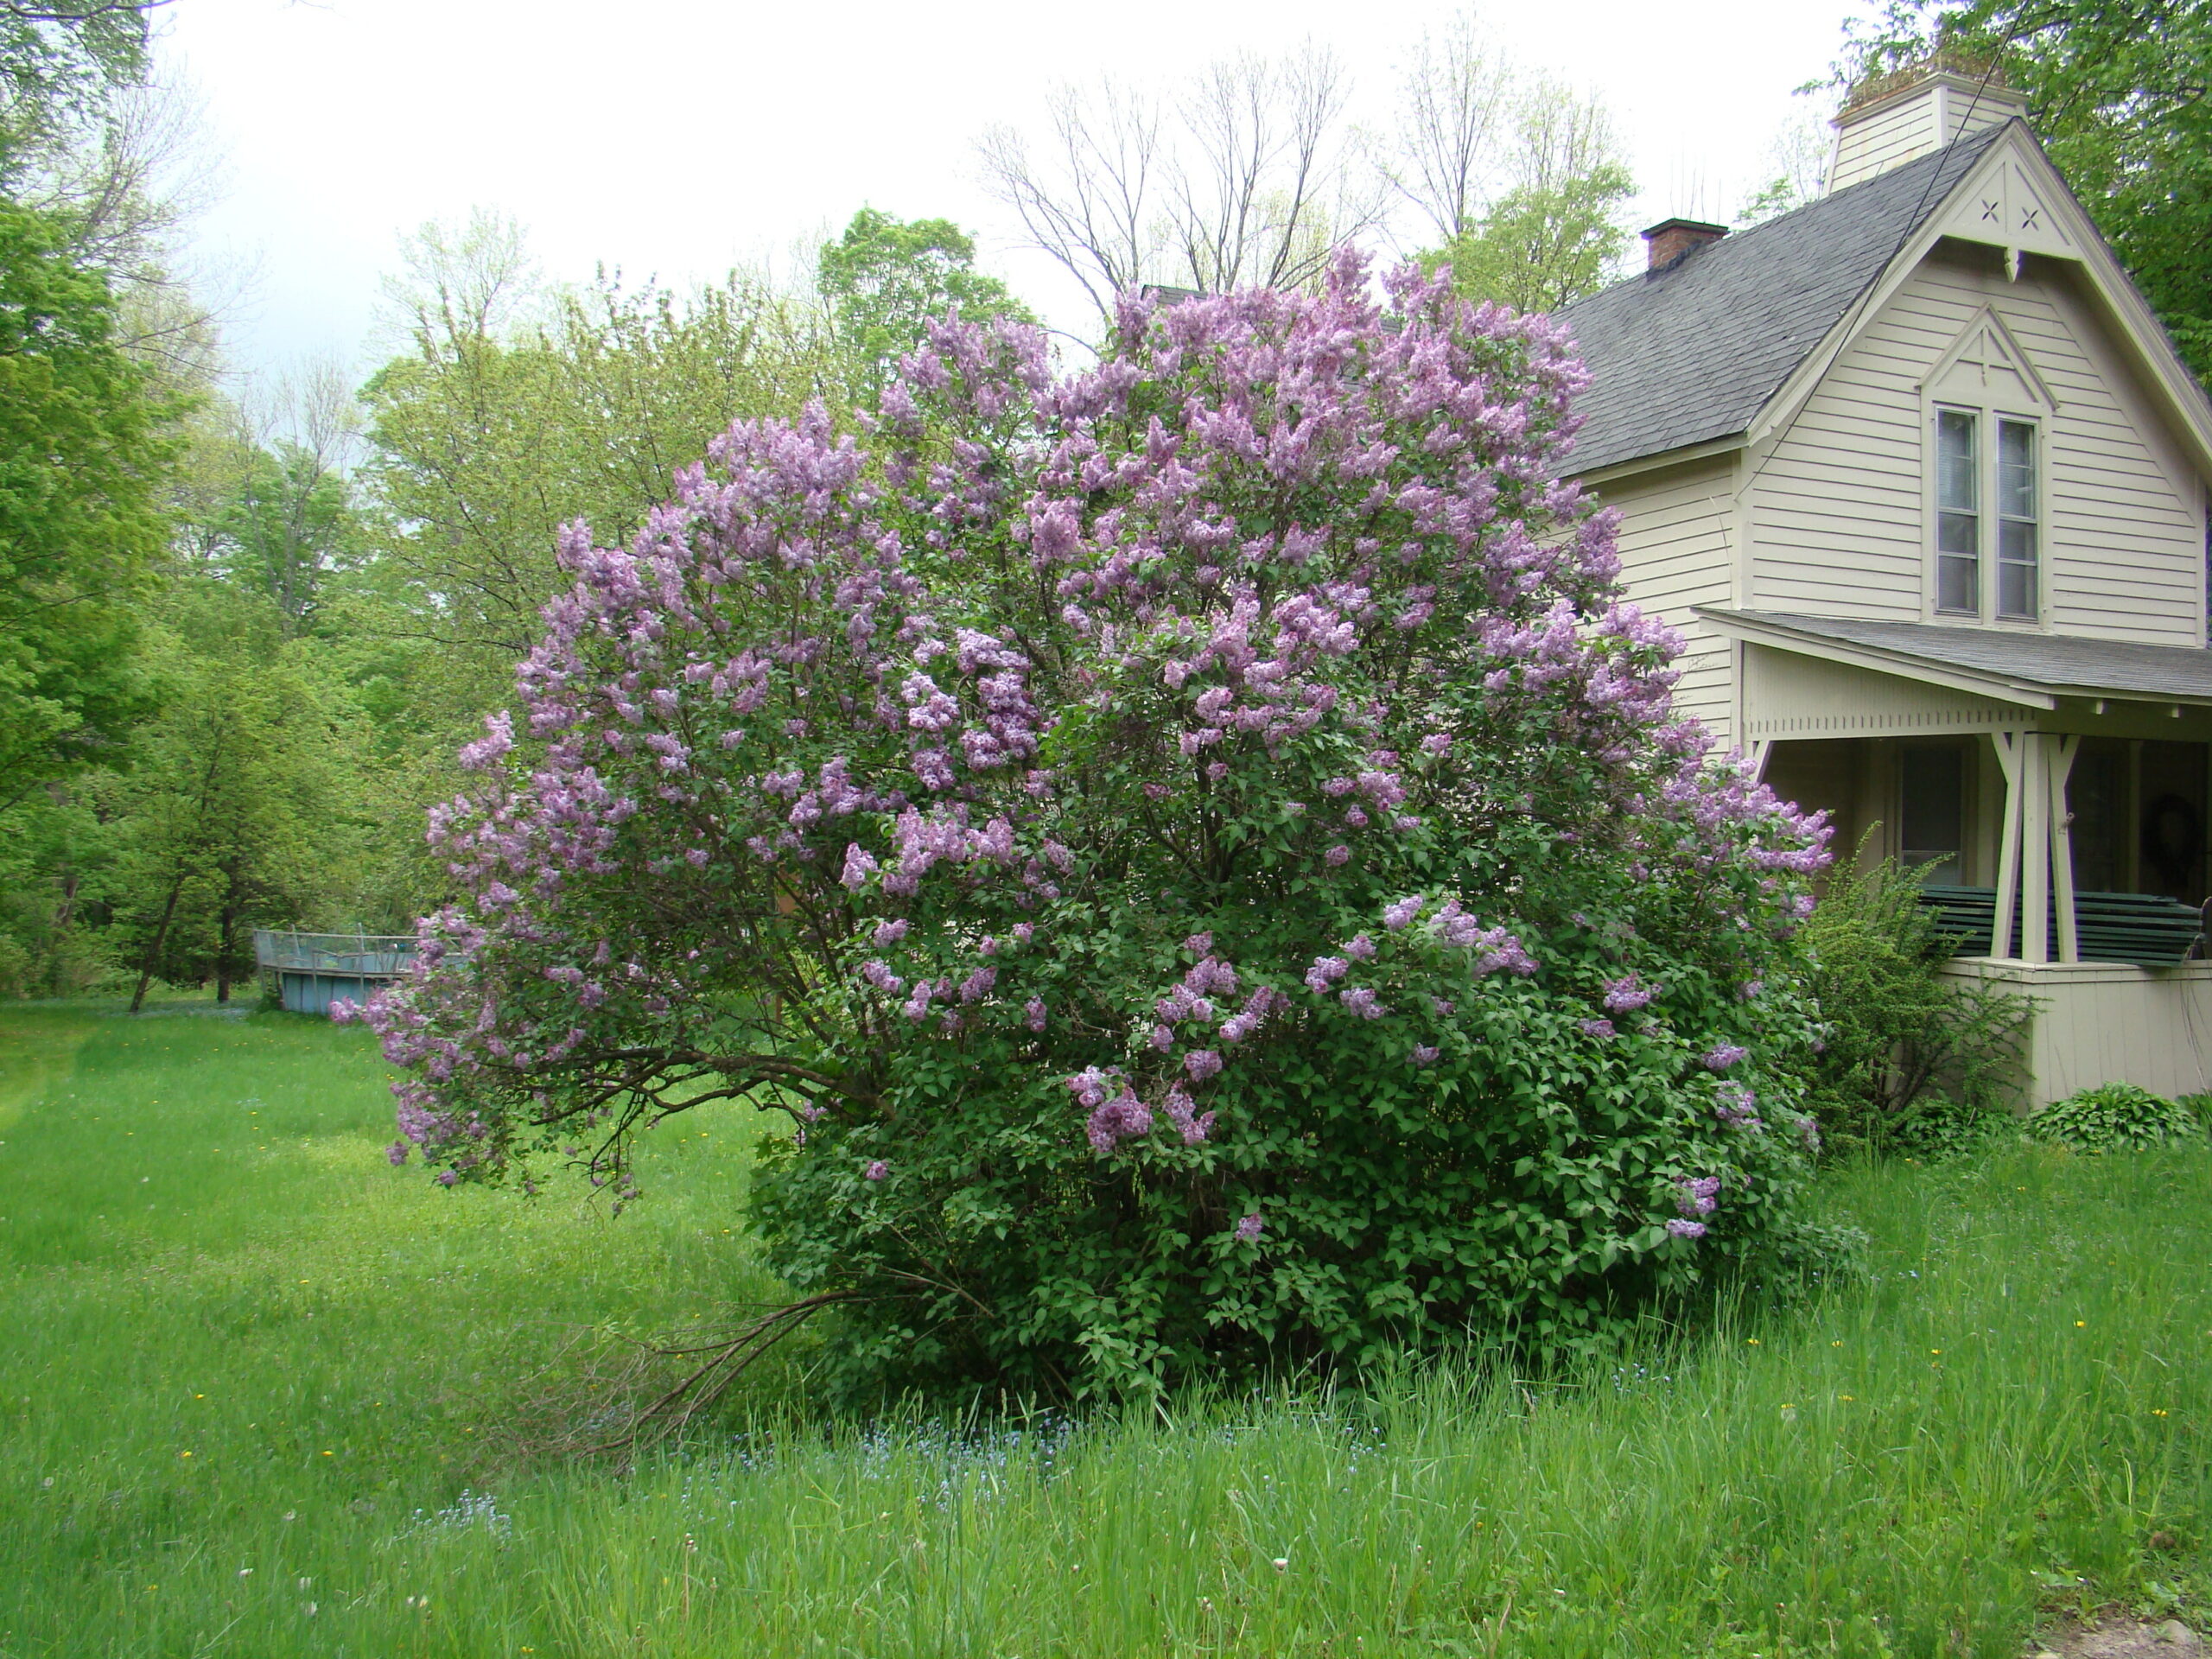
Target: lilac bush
column 1197, row 850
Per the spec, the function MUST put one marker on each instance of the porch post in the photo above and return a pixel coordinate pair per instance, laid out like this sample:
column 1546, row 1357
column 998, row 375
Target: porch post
column 2062, row 751
column 2034, row 791
column 2007, row 745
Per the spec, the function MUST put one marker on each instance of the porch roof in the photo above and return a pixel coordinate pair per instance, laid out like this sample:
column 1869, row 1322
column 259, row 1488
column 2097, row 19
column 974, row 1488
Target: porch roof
column 2034, row 669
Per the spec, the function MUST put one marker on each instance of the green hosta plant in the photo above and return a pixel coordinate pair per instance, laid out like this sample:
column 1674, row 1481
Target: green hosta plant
column 2114, row 1117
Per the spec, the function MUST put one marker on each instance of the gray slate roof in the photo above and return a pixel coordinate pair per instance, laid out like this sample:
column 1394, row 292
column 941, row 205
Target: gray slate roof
column 2056, row 664
column 1692, row 353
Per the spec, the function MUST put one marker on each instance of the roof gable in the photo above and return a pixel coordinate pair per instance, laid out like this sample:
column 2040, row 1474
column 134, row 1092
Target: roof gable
column 1691, row 353
column 1720, row 347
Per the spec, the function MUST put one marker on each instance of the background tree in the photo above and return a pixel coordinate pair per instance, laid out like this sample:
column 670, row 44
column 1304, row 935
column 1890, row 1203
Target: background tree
column 232, row 815
column 885, row 278
column 1793, row 171
column 1517, row 183
column 2120, row 93
column 1249, row 172
column 83, row 453
column 1555, row 234
column 516, row 409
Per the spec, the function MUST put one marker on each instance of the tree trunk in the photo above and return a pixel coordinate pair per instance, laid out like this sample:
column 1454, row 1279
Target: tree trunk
column 161, row 937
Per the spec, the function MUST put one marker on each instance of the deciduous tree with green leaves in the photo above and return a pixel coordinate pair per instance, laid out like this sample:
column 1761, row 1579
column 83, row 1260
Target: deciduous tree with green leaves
column 83, row 454
column 885, row 278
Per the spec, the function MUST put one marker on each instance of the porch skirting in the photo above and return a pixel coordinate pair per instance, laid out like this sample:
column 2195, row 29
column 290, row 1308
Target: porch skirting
column 2106, row 1022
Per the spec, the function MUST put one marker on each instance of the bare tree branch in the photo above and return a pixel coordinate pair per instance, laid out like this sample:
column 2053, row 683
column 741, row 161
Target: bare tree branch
column 1250, row 172
column 1456, row 106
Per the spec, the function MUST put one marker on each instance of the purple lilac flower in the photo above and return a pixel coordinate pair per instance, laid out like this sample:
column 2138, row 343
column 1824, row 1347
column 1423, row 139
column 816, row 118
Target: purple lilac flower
column 1682, row 1229
column 1323, row 971
column 1163, row 1039
column 1361, row 1001
column 1193, row 1126
column 1337, row 856
column 1250, row 1229
column 1118, row 1120
column 1725, row 1055
column 858, row 866
column 1735, row 1107
column 889, row 933
column 1426, row 1054
column 1597, row 1027
column 1034, row 1012
column 1403, row 913
column 1627, row 994
column 1696, row 1195
column 397, row 1152
column 876, row 1170
column 1362, row 948
column 1201, row 1063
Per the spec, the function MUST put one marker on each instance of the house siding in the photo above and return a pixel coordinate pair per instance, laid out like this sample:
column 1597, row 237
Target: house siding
column 1882, row 139
column 1835, row 514
column 1677, row 547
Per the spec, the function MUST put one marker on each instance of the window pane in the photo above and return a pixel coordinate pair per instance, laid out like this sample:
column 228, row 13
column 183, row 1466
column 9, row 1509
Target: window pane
column 1957, row 585
column 2016, row 469
column 1957, row 532
column 2016, row 523
column 1933, row 809
column 1955, row 484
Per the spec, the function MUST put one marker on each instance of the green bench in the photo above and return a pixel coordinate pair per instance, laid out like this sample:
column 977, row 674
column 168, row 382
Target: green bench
column 2144, row 928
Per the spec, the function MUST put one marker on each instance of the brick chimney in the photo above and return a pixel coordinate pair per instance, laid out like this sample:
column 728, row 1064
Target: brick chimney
column 1906, row 114
column 1670, row 239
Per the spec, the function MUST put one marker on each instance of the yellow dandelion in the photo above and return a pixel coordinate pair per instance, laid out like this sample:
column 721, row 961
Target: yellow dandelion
column 2080, row 1324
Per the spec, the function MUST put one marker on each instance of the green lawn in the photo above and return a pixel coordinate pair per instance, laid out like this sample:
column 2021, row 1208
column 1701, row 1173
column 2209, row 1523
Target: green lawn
column 262, row 1395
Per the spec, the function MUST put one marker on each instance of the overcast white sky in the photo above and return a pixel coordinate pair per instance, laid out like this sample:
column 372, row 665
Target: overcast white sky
column 675, row 138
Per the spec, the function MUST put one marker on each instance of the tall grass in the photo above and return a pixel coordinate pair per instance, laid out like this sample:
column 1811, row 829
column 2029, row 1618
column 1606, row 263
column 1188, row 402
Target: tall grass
column 203, row 1253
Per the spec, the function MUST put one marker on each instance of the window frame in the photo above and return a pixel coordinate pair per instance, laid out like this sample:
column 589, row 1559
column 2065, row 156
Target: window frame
column 1990, row 420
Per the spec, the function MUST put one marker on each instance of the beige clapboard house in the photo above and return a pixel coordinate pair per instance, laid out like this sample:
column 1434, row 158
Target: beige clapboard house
column 1924, row 483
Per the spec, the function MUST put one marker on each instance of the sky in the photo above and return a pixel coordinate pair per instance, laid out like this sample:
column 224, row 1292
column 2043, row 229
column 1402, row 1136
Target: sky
column 684, row 136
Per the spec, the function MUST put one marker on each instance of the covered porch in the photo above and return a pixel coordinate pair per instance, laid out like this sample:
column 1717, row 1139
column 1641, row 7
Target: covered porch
column 2036, row 778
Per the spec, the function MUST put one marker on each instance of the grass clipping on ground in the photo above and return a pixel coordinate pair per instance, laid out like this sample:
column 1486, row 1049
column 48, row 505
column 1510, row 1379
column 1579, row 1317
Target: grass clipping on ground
column 261, row 1391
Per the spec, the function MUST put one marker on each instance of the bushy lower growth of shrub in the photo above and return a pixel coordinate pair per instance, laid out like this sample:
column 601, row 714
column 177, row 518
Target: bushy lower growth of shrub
column 1907, row 1062
column 1197, row 849
column 2114, row 1117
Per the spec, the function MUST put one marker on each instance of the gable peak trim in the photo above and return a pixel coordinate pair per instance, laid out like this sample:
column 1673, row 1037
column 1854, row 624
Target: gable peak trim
column 1987, row 330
